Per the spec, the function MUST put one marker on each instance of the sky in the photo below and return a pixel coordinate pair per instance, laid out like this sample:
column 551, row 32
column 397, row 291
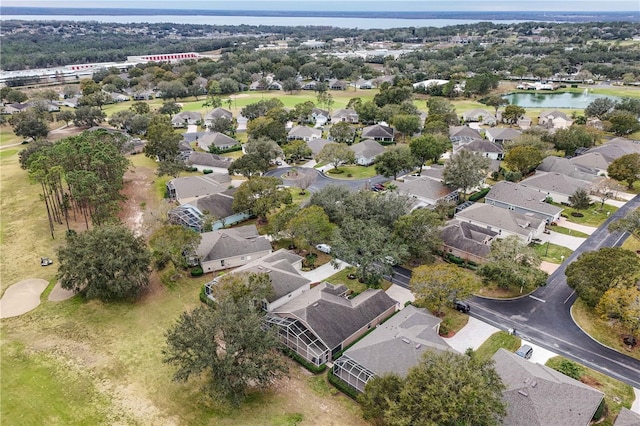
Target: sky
column 349, row 5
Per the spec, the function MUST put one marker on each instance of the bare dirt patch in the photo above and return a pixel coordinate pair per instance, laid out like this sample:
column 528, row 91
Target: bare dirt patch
column 22, row 297
column 138, row 190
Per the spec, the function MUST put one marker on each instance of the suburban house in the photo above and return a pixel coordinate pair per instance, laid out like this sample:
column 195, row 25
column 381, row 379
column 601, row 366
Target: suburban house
column 555, row 185
column 434, row 171
column 283, row 268
column 467, row 241
column 539, row 395
column 14, row 108
column 316, row 146
column 184, row 149
column 363, row 84
column 323, row 321
column 204, row 160
column 320, row 116
column 192, row 215
column 501, row 135
column 565, row 166
column 221, row 141
column 483, row 147
column 378, row 132
column 185, row 118
column 395, row 346
column 479, row 115
column 338, row 85
column 593, row 161
column 463, row 134
column 554, row 120
column 425, row 191
column 523, row 200
column 215, row 114
column 524, row 122
column 118, row 97
column 503, row 221
column 367, row 151
column 304, row 133
column 600, row 157
column 345, row 114
column 186, row 189
column 72, row 102
column 627, row 417
column 232, row 247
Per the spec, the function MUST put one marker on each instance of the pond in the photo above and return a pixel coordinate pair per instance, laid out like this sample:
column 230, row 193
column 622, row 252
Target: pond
column 554, row 100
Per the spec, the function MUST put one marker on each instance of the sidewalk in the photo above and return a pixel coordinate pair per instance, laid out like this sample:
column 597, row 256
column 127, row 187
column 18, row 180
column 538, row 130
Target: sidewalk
column 323, row 272
column 472, row 335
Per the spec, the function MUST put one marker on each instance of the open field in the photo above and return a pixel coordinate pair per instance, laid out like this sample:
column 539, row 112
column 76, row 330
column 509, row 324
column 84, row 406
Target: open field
column 78, row 362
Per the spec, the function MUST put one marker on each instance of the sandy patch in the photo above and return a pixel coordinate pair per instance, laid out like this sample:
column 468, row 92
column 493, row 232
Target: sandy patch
column 22, row 297
column 549, row 267
column 58, row 294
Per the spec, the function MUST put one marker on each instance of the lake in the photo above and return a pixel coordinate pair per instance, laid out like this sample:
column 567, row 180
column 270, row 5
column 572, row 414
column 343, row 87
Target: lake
column 554, row 100
column 355, row 22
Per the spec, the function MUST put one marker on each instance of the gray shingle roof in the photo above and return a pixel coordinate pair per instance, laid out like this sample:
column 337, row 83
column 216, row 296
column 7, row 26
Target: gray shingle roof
column 616, row 148
column 218, row 113
column 627, row 418
column 521, row 196
column 316, row 145
column 226, row 243
column 398, row 344
column 424, row 187
column 333, row 318
column 206, row 139
column 538, row 395
column 304, row 132
column 468, row 237
column 347, row 113
column 552, row 113
column 209, row 160
column 554, row 182
column 186, row 115
column 367, row 149
column 377, row 131
column 565, row 166
column 499, row 218
column 218, row 205
column 501, row 133
column 464, row 132
column 199, row 186
column 482, row 145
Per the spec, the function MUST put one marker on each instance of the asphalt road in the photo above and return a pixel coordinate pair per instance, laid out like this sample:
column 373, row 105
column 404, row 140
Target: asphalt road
column 544, row 317
column 323, row 180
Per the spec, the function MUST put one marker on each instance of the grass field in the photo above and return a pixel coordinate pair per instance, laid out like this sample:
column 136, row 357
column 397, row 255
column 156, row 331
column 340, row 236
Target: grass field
column 551, row 252
column 593, row 216
column 353, row 172
column 603, row 331
column 616, row 393
column 498, row 340
column 567, row 231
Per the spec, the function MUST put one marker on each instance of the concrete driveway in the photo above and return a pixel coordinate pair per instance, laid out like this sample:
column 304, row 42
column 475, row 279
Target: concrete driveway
column 400, row 294
column 562, row 240
column 472, row 335
column 323, row 272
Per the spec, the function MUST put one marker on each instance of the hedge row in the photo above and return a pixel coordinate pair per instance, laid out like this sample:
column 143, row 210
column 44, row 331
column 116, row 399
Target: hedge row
column 480, row 194
column 342, row 386
column 306, row 364
column 215, row 150
column 203, row 297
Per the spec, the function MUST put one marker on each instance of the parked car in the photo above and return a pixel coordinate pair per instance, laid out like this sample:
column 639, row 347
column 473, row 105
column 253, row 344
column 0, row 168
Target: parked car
column 462, row 306
column 325, row 248
column 45, row 261
column 525, row 351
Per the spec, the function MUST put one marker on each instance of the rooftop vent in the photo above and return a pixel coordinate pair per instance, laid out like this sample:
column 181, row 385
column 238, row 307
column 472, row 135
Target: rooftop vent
column 523, row 392
column 418, row 346
column 406, row 340
column 534, row 384
column 315, row 304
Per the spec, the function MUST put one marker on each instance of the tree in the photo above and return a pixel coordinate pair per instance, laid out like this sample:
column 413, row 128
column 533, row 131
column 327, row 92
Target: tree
column 494, row 101
column 629, row 223
column 310, row 226
column 367, row 111
column 224, row 125
column 625, row 169
column 97, row 99
column 259, row 196
column 266, row 149
column 406, row 124
column 466, row 170
column 512, row 263
column 227, row 344
column 336, row 154
column 429, row 147
column 140, row 107
column 604, row 190
column 170, row 108
column 575, row 137
column 512, row 113
column 367, row 245
column 248, row 165
column 291, row 85
column 622, row 123
column 163, row 141
column 342, row 132
column 297, row 150
column 302, row 112
column 435, row 285
column 267, row 128
column 580, row 199
column 107, row 262
column 421, row 231
column 66, row 116
column 15, row 96
column 445, row 388
column 173, row 243
column 599, row 107
column 332, row 199
column 88, row 116
column 595, row 272
column 29, row 125
column 394, row 161
column 523, row 159
column 622, row 304
column 441, row 110
column 172, row 89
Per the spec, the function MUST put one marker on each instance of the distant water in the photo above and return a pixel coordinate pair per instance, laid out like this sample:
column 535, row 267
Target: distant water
column 554, row 100
column 355, row 22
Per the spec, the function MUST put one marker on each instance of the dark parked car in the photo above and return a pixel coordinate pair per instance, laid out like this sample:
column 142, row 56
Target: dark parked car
column 462, row 306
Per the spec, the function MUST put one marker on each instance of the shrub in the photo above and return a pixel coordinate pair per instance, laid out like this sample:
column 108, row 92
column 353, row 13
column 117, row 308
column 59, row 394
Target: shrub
column 315, row 369
column 570, row 368
column 203, row 297
column 601, row 410
column 207, row 171
column 577, row 214
column 495, row 175
column 342, row 386
column 197, row 271
column 513, row 176
column 480, row 194
column 574, row 86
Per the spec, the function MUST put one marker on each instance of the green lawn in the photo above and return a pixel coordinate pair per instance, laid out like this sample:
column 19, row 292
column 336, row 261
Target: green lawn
column 551, row 252
column 616, row 393
column 593, row 216
column 7, row 137
column 498, row 340
column 353, row 172
column 567, row 231
column 606, row 332
column 354, row 285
